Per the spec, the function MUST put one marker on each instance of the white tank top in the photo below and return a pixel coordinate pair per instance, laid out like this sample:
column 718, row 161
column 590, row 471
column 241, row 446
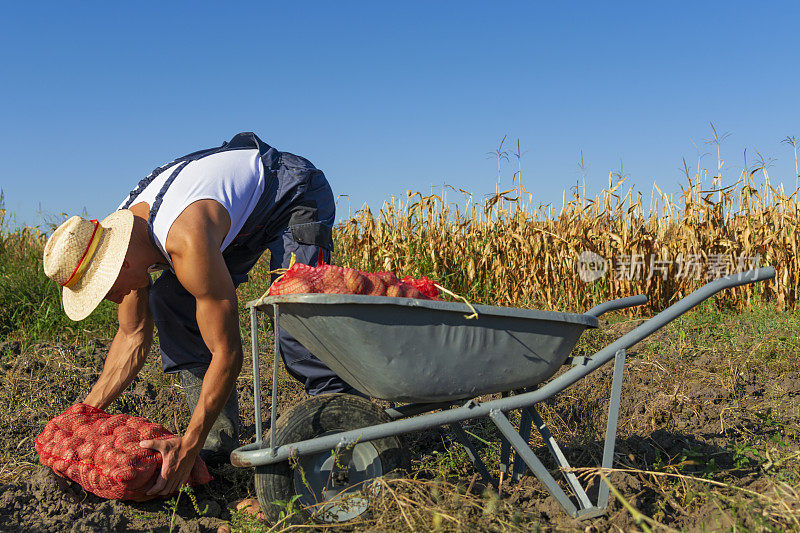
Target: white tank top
column 234, row 178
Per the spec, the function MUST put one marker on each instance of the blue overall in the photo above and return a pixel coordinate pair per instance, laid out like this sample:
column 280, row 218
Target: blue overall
column 295, row 214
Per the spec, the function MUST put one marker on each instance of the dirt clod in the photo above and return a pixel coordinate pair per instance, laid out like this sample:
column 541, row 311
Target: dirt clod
column 44, row 503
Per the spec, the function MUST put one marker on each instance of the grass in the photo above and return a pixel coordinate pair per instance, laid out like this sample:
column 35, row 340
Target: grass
column 30, row 303
column 709, row 434
column 735, row 467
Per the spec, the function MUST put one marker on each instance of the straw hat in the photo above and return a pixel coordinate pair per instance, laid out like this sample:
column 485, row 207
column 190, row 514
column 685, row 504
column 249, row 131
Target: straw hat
column 85, row 257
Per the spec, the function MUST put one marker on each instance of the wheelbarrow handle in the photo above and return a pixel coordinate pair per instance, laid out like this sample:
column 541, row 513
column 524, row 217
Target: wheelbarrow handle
column 748, row 276
column 726, row 282
column 616, row 305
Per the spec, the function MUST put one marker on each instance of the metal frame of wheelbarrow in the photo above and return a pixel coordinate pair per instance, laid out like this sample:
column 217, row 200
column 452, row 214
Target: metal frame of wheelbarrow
column 410, row 418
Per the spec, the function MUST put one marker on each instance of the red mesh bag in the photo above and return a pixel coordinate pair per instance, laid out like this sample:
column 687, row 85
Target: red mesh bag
column 425, row 285
column 101, row 452
column 329, row 279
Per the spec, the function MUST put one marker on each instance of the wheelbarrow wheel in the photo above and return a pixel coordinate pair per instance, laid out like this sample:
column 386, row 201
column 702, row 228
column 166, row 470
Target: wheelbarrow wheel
column 328, row 487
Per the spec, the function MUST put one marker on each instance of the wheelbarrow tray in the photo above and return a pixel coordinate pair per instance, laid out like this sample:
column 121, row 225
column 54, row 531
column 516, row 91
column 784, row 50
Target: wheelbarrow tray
column 412, row 350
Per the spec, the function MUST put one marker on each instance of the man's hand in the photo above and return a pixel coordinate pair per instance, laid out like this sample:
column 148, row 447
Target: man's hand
column 176, row 466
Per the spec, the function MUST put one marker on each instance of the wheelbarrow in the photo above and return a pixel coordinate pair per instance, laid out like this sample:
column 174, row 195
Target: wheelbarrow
column 430, row 362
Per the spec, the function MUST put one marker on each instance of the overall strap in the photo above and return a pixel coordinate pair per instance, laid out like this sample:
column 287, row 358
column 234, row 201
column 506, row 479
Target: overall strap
column 154, row 174
column 160, row 196
column 242, row 141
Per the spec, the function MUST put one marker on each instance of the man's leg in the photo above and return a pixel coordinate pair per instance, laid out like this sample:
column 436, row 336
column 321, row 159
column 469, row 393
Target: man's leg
column 302, row 238
column 301, row 363
column 184, row 351
column 224, row 435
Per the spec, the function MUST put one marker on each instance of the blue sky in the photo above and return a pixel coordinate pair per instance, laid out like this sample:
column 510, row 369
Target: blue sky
column 390, row 96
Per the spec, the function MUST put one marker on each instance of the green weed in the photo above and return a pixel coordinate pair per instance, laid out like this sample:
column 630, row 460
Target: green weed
column 30, row 302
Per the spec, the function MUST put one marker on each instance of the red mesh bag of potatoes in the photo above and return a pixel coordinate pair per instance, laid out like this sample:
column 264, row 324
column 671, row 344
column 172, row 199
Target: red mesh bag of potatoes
column 101, row 452
column 329, row 279
column 425, row 285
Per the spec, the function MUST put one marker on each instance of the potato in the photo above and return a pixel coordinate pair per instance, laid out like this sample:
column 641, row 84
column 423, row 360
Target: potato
column 413, row 292
column 70, row 454
column 115, row 459
column 73, row 472
column 104, row 444
column 78, row 408
column 84, row 431
column 395, row 291
column 105, row 483
column 47, row 449
column 123, row 438
column 135, row 422
column 101, row 453
column 92, row 481
column 86, row 451
column 376, row 285
column 65, row 426
column 123, row 430
column 75, row 421
column 151, row 431
column 332, row 280
column 71, row 442
column 388, row 278
column 297, row 280
column 299, row 286
column 355, row 281
column 84, row 469
column 60, row 466
column 46, row 434
column 109, row 460
column 59, row 435
column 58, row 453
column 108, row 425
column 132, row 449
column 123, row 473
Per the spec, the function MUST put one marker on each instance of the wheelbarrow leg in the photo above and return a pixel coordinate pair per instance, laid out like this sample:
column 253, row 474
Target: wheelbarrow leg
column 275, row 363
column 256, row 375
column 458, row 432
column 525, row 432
column 522, row 448
column 561, row 460
column 505, row 452
column 585, row 509
column 611, row 426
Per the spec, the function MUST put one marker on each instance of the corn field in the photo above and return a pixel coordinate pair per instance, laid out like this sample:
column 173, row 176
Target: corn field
column 505, row 252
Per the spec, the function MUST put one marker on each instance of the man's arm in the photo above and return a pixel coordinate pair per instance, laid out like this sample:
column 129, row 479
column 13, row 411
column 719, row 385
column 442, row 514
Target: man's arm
column 194, row 246
column 128, row 351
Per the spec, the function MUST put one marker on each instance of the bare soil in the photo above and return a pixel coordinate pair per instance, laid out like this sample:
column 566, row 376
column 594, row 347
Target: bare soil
column 708, row 440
